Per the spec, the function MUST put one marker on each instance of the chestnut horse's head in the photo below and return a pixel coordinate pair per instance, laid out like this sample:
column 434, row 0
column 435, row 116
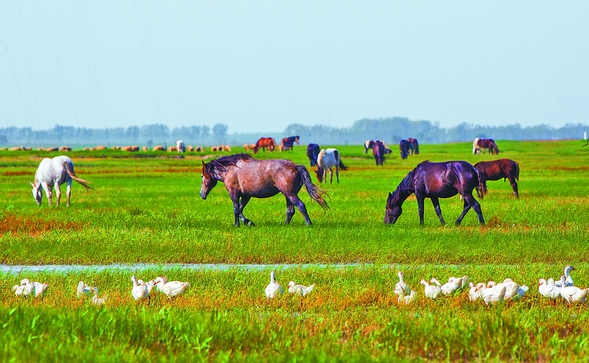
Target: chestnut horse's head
column 208, row 179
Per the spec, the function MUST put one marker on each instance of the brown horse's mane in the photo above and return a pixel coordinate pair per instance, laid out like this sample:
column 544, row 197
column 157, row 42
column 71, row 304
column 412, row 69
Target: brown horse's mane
column 406, row 185
column 223, row 163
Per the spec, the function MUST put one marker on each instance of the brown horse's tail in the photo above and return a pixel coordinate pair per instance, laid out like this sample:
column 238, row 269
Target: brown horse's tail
column 516, row 171
column 73, row 175
column 314, row 192
column 482, row 187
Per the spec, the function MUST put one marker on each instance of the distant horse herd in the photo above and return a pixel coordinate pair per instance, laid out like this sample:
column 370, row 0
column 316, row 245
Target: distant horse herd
column 245, row 177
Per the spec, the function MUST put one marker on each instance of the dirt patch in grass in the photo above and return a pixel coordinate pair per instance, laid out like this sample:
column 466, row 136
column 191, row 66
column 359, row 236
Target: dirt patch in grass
column 34, row 226
column 16, row 173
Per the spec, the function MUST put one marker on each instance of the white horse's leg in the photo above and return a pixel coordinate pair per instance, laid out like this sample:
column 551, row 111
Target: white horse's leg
column 57, row 193
column 69, row 192
column 47, row 191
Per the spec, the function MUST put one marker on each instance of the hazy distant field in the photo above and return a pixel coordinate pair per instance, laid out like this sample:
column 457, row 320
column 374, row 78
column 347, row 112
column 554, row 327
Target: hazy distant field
column 145, row 208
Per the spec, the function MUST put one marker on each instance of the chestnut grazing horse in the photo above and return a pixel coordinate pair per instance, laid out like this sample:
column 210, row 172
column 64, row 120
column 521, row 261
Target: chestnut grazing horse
column 404, row 146
column 288, row 142
column 413, row 146
column 245, row 177
column 313, row 153
column 479, row 145
column 497, row 169
column 434, row 181
column 378, row 150
column 263, row 143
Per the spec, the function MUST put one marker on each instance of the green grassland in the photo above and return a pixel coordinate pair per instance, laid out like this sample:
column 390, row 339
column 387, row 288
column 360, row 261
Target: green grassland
column 145, row 208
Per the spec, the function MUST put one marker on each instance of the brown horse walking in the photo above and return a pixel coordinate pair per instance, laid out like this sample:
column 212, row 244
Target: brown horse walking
column 434, row 181
column 480, row 145
column 263, row 143
column 378, row 151
column 245, row 177
column 288, row 142
column 413, row 146
column 502, row 168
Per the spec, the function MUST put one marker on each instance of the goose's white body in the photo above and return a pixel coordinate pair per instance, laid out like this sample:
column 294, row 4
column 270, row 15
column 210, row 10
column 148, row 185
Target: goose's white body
column 40, row 288
column 568, row 279
column 548, row 289
column 402, row 284
column 431, row 291
column 493, row 294
column 475, row 291
column 170, row 288
column 139, row 290
column 453, row 284
column 95, row 299
column 573, row 294
column 299, row 289
column 513, row 290
column 83, row 289
column 273, row 289
column 25, row 288
column 405, row 298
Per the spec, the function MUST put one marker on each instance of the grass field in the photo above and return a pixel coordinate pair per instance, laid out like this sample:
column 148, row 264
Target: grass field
column 145, row 208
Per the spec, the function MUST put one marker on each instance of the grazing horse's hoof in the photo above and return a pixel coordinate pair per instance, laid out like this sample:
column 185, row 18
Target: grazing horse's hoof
column 247, row 222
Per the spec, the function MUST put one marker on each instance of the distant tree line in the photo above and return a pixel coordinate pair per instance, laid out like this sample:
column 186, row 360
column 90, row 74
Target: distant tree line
column 390, row 130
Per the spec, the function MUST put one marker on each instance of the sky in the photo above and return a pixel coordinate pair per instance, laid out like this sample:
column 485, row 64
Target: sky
column 259, row 66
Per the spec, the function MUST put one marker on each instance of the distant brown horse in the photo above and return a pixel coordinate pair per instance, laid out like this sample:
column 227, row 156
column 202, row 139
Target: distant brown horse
column 288, row 142
column 502, row 168
column 378, row 151
column 413, row 146
column 434, row 181
column 246, row 177
column 263, row 143
column 404, row 146
column 479, row 145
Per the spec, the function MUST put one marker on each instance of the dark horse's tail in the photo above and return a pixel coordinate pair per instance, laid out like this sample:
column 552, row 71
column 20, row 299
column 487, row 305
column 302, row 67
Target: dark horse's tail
column 314, row 192
column 516, row 176
column 482, row 187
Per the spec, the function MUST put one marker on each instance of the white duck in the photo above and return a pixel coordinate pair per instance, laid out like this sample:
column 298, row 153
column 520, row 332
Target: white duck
column 493, row 294
column 95, row 299
column 402, row 284
column 170, row 288
column 568, row 279
column 40, row 288
column 572, row 294
column 273, row 289
column 475, row 290
column 431, row 291
column 83, row 289
column 299, row 289
column 548, row 289
column 139, row 290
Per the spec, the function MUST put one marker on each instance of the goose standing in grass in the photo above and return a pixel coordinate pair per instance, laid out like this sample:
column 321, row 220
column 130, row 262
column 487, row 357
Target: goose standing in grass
column 453, row 284
column 475, row 291
column 431, row 291
column 25, row 288
column 83, row 289
column 548, row 289
column 402, row 284
column 170, row 288
column 572, row 294
column 513, row 290
column 40, row 288
column 139, row 290
column 493, row 294
column 273, row 289
column 568, row 279
column 405, row 298
column 95, row 299
column 299, row 289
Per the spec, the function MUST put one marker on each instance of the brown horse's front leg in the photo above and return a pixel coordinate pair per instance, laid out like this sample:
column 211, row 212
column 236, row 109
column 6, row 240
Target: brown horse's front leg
column 420, row 207
column 242, row 204
column 436, row 203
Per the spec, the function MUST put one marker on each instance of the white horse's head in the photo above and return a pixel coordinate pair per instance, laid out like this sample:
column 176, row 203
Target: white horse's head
column 37, row 192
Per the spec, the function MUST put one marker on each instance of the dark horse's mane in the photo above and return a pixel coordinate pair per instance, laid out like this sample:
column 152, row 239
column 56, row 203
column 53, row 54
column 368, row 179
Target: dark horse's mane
column 223, row 163
column 406, row 186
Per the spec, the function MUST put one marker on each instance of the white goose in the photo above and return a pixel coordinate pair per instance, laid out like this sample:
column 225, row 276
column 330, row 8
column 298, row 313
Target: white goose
column 568, row 278
column 95, row 299
column 39, row 288
column 548, row 289
column 24, row 288
column 493, row 294
column 299, row 289
column 572, row 294
column 403, row 297
column 475, row 291
column 453, row 284
column 273, row 289
column 139, row 290
column 170, row 288
column 431, row 291
column 83, row 289
column 402, row 284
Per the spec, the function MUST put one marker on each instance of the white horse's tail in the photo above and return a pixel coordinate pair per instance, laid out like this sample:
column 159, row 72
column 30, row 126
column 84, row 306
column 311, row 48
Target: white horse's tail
column 73, row 175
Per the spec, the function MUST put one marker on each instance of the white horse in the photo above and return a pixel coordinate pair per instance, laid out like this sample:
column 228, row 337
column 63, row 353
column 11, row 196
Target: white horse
column 55, row 172
column 327, row 159
column 180, row 146
column 475, row 146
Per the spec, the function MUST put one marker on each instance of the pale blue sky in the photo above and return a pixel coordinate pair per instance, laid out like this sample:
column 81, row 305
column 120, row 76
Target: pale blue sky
column 262, row 65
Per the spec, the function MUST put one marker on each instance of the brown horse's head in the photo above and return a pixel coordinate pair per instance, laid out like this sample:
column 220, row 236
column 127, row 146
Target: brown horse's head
column 393, row 209
column 208, row 179
column 319, row 172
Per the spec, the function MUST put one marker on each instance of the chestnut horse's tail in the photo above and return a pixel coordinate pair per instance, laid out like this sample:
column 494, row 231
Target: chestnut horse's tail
column 516, row 176
column 482, row 187
column 68, row 169
column 314, row 192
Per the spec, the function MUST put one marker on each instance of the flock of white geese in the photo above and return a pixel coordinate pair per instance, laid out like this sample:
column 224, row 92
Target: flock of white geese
column 490, row 292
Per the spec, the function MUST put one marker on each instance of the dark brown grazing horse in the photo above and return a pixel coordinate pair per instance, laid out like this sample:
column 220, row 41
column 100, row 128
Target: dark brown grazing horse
column 404, row 148
column 378, row 150
column 480, row 145
column 287, row 143
column 312, row 153
column 413, row 146
column 246, row 177
column 263, row 143
column 497, row 169
column 434, row 181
